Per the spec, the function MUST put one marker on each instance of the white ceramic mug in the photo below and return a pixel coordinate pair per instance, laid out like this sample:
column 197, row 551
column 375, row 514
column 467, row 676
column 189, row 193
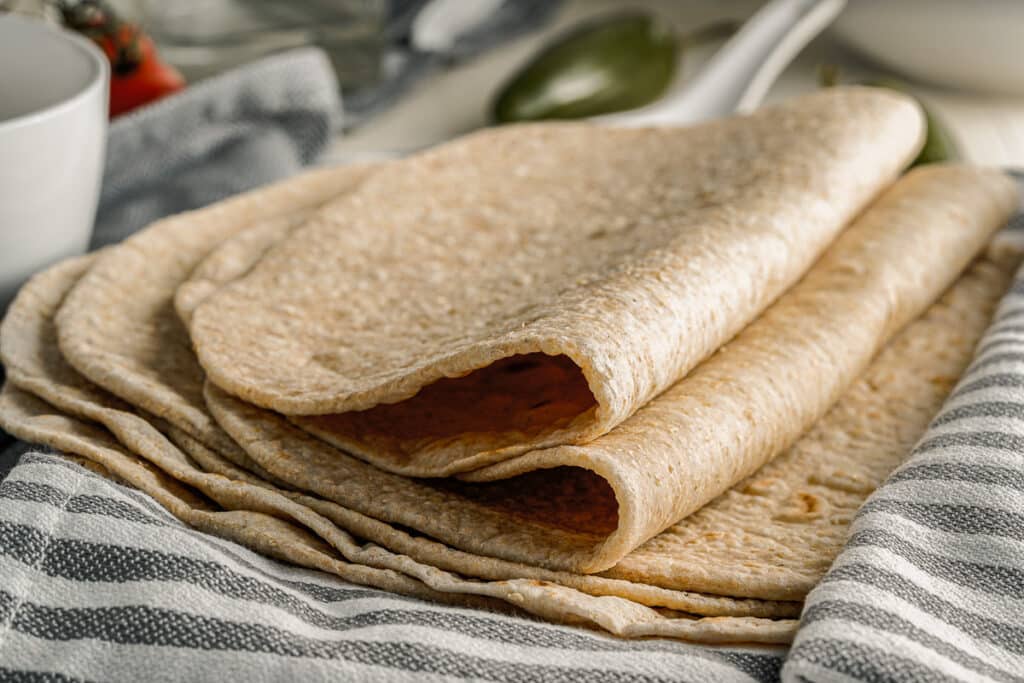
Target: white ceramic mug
column 53, row 128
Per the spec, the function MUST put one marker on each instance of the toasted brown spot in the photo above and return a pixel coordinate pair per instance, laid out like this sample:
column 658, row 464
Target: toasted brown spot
column 802, row 507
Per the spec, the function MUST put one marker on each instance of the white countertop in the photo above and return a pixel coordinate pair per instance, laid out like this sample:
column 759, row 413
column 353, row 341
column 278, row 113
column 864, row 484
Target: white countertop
column 455, row 101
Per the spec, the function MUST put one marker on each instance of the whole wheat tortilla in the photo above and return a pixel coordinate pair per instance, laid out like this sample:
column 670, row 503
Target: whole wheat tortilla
column 28, row 345
column 774, row 534
column 425, row 549
column 31, row 419
column 584, row 508
column 556, row 277
column 120, row 330
column 28, row 349
column 572, row 522
column 969, row 185
column 950, row 327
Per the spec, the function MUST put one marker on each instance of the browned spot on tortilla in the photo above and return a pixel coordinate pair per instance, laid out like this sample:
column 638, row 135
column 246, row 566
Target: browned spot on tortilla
column 810, row 502
column 801, row 507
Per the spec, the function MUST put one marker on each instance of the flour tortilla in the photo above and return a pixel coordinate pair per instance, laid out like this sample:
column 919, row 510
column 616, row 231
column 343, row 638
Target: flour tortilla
column 28, row 343
column 584, row 508
column 556, row 277
column 967, row 183
column 33, row 420
column 29, row 352
column 570, row 519
column 950, row 327
column 771, row 537
column 778, row 531
column 425, row 549
column 120, row 330
column 430, row 552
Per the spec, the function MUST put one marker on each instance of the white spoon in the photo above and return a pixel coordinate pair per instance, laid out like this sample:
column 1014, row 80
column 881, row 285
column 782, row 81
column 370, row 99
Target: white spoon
column 739, row 74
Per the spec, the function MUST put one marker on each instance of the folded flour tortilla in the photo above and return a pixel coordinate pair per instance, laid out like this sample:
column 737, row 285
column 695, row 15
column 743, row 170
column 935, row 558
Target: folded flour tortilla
column 588, row 506
column 915, row 370
column 584, row 508
column 970, row 305
column 565, row 518
column 775, row 534
column 555, row 277
column 778, row 531
column 255, row 510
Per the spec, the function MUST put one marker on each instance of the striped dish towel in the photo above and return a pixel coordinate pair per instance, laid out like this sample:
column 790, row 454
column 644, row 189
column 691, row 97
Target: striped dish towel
column 98, row 582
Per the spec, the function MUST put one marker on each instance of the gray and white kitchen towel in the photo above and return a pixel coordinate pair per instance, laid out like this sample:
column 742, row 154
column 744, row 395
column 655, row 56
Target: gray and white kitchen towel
column 97, row 582
column 244, row 128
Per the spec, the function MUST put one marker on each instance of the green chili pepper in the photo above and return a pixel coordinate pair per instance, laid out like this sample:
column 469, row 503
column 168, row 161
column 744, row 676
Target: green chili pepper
column 615, row 63
column 938, row 143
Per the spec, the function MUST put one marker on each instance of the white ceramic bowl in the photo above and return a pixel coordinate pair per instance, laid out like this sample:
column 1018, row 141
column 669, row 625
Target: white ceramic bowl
column 53, row 122
column 975, row 45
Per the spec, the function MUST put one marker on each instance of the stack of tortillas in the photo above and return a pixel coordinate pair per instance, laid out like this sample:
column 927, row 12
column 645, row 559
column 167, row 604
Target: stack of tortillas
column 639, row 379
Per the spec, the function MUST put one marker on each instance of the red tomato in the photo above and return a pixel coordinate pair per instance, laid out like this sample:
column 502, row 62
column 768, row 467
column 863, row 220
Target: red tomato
column 137, row 75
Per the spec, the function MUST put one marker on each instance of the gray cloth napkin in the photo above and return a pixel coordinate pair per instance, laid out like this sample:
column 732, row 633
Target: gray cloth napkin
column 241, row 129
column 244, row 128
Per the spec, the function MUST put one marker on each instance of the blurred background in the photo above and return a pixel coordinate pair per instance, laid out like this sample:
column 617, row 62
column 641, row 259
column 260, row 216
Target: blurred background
column 415, row 72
